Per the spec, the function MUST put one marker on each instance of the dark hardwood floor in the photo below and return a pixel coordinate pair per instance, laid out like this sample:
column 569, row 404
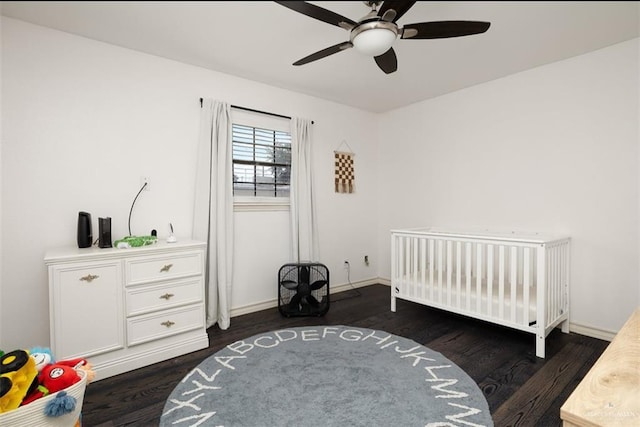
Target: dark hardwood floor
column 522, row 390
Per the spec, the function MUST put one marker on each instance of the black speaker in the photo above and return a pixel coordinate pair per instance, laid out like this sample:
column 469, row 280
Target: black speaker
column 104, row 230
column 85, row 237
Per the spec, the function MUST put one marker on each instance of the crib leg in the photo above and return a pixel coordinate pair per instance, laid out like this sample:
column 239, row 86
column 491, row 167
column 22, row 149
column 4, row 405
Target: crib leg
column 393, row 303
column 565, row 326
column 540, row 341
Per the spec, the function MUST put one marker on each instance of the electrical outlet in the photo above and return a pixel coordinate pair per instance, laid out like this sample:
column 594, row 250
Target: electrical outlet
column 346, row 265
column 145, row 180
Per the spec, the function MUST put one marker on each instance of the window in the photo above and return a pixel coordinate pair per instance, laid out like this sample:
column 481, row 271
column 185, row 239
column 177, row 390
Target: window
column 261, row 162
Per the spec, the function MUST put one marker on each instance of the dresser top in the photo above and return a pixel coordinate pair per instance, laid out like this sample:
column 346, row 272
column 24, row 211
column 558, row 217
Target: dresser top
column 73, row 253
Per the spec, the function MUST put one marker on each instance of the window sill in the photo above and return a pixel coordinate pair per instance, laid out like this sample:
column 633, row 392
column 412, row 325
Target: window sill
column 260, row 204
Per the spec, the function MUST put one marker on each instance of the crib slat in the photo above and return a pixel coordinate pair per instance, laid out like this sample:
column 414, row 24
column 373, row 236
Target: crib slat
column 549, row 291
column 551, row 265
column 565, row 282
column 431, row 268
column 394, row 271
column 468, row 274
column 526, row 280
column 440, row 256
column 553, row 313
column 423, row 268
column 414, row 269
column 514, row 280
column 559, row 281
column 458, row 272
column 501, row 274
column 558, row 311
column 478, row 277
column 449, row 271
column 400, row 264
column 407, row 265
column 489, row 279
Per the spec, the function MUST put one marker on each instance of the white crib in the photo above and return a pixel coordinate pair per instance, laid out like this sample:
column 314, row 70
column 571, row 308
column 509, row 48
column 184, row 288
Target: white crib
column 515, row 280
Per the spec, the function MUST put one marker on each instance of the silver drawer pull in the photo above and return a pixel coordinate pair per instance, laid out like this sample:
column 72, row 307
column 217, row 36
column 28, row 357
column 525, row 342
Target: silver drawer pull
column 167, row 296
column 89, row 278
column 166, row 268
column 168, row 323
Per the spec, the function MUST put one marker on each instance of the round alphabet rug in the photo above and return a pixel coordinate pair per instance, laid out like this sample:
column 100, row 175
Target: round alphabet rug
column 326, row 376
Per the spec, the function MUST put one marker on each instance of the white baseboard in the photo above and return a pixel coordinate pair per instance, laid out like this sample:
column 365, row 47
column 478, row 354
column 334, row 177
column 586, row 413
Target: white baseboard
column 592, row 332
column 348, row 286
column 272, row 303
column 252, row 308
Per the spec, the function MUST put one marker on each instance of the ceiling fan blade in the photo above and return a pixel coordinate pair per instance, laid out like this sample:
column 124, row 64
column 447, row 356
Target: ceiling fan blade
column 319, row 13
column 400, row 7
column 388, row 62
column 324, row 53
column 443, row 29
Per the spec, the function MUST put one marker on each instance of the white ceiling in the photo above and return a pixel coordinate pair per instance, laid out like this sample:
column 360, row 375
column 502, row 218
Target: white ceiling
column 259, row 40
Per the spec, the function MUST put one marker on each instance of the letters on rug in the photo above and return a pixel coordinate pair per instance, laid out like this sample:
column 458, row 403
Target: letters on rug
column 326, row 376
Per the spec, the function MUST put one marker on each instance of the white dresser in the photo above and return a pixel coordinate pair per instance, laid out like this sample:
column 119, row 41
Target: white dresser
column 123, row 309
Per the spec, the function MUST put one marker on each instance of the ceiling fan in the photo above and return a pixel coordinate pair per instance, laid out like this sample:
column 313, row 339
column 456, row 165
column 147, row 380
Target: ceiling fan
column 375, row 33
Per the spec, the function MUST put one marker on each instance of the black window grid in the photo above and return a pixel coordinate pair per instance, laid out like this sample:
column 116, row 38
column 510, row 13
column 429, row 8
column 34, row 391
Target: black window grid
column 256, row 150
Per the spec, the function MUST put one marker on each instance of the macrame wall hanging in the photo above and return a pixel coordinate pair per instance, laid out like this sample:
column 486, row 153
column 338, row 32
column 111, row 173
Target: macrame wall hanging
column 344, row 172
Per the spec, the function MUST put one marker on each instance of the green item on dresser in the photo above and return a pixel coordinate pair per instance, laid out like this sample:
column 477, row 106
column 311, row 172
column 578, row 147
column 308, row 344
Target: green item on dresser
column 135, row 241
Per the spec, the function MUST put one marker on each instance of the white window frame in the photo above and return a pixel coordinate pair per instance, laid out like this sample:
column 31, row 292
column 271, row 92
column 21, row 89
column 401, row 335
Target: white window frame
column 263, row 121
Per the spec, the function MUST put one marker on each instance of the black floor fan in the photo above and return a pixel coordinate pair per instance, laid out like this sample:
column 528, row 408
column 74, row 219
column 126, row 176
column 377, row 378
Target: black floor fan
column 303, row 289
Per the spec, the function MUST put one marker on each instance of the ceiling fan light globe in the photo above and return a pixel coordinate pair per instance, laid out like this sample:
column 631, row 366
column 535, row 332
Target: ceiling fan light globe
column 374, row 41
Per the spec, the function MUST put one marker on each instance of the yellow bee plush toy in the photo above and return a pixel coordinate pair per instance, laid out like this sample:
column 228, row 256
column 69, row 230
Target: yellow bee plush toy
column 17, row 374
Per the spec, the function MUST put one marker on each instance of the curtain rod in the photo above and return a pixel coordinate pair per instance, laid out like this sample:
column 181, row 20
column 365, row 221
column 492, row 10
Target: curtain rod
column 237, row 107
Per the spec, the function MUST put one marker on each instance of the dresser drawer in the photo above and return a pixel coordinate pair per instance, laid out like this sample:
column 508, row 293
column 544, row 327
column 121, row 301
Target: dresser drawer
column 149, row 327
column 145, row 299
column 87, row 275
column 152, row 269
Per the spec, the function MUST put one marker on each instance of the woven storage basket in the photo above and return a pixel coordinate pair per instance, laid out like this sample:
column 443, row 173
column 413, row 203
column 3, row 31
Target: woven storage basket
column 32, row 415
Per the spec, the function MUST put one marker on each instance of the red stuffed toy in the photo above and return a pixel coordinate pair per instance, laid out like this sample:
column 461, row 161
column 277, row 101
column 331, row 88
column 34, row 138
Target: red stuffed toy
column 55, row 377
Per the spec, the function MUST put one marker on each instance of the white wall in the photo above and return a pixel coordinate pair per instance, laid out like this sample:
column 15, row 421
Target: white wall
column 553, row 149
column 84, row 120
column 1, row 139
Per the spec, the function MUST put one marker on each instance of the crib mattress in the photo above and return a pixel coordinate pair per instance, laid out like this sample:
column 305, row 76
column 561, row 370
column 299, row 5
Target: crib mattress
column 467, row 301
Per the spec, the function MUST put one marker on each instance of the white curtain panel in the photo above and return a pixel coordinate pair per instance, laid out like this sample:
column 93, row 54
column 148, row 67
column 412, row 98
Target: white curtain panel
column 304, row 230
column 213, row 211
